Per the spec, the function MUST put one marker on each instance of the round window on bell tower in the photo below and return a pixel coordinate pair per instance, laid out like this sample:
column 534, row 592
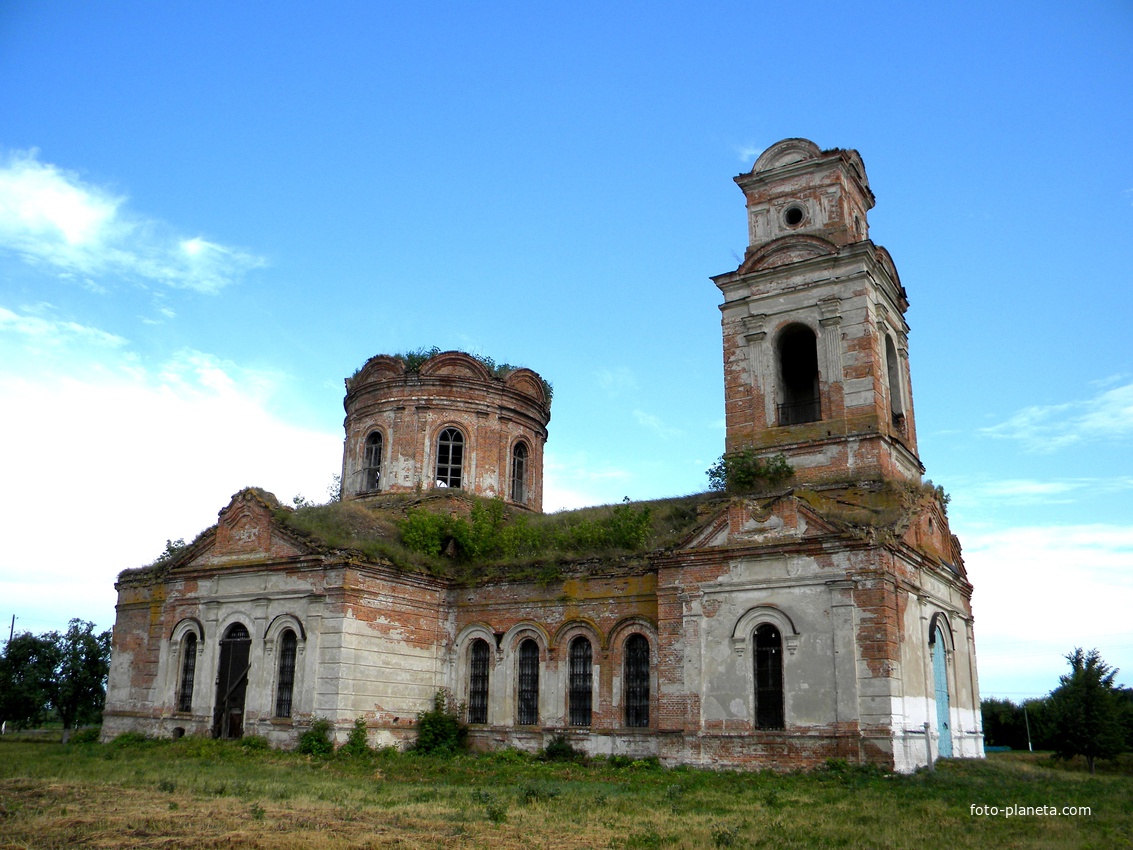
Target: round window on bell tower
column 793, row 216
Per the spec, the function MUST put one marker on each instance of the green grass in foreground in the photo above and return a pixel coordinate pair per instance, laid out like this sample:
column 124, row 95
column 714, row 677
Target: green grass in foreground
column 203, row 793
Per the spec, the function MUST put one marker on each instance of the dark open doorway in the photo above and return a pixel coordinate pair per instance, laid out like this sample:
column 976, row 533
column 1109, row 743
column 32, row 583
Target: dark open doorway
column 232, row 682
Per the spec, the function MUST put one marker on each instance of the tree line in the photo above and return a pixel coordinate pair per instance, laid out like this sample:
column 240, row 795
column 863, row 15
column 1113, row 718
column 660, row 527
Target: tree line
column 1086, row 715
column 55, row 676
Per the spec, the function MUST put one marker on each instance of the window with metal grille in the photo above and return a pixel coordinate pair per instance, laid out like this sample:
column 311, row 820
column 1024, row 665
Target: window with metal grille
column 581, row 681
column 286, row 685
column 450, row 457
column 768, row 678
column 372, row 463
column 188, row 672
column 637, row 681
column 528, row 702
column 478, row 682
column 519, row 472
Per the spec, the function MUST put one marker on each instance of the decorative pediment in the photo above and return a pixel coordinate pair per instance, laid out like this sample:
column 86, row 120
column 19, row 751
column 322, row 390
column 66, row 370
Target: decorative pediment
column 746, row 521
column 526, row 382
column 246, row 530
column 456, row 364
column 786, row 152
column 379, row 368
column 787, row 249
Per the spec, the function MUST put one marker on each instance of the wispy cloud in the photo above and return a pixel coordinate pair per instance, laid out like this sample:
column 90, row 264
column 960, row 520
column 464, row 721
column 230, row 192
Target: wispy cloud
column 1041, row 591
column 1107, row 416
column 749, row 153
column 39, row 331
column 51, row 218
column 654, row 424
column 617, row 381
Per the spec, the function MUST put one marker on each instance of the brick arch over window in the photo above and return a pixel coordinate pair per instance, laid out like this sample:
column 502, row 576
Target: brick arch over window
column 519, row 468
column 372, row 452
column 745, row 626
column 767, row 637
column 633, row 653
column 287, row 638
column 939, row 624
column 187, row 642
column 578, row 676
column 526, row 647
column 477, row 655
column 451, row 451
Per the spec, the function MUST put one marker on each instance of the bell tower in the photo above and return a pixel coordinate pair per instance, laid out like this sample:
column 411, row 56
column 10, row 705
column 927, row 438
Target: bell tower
column 815, row 341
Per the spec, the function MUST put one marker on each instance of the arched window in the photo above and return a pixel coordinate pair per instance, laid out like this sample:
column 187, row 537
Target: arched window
column 450, row 458
column 372, row 463
column 893, row 371
column 768, row 677
column 519, row 472
column 798, row 376
column 637, row 681
column 528, row 691
column 288, row 647
column 188, row 672
column 581, row 682
column 478, row 682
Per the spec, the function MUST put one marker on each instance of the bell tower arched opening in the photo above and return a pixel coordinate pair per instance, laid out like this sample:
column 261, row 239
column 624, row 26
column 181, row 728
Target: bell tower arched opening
column 797, row 353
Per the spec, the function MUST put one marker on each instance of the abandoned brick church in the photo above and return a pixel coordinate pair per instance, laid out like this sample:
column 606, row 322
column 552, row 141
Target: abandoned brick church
column 827, row 615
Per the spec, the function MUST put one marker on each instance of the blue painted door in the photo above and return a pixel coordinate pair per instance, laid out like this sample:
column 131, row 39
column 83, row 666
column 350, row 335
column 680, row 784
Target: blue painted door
column 940, row 675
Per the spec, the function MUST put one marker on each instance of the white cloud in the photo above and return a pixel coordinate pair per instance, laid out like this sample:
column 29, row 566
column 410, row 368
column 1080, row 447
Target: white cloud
column 1105, row 417
column 617, row 381
column 51, row 217
column 1042, row 591
column 654, row 424
column 53, row 332
column 106, row 457
column 749, row 153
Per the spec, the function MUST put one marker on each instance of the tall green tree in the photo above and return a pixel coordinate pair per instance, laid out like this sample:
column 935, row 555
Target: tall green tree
column 27, row 666
column 1086, row 711
column 78, row 686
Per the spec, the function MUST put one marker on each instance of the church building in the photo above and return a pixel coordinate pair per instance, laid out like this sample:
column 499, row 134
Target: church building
column 823, row 612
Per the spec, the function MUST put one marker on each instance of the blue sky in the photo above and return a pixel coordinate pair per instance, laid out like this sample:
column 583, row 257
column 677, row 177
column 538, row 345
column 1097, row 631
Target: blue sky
column 211, row 213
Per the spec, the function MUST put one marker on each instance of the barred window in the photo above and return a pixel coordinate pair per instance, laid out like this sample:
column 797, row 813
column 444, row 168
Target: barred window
column 519, row 472
column 188, row 672
column 768, row 678
column 478, row 682
column 581, row 681
column 286, row 685
column 450, row 458
column 528, row 702
column 372, row 464
column 637, row 681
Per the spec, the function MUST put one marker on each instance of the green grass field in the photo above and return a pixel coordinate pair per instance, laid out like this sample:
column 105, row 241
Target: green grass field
column 197, row 793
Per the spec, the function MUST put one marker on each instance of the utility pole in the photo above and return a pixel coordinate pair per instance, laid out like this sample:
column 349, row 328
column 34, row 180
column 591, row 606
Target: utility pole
column 12, row 630
column 1027, row 720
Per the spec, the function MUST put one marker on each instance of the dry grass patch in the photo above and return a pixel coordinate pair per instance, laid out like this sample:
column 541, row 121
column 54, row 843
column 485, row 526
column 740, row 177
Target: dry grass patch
column 195, row 793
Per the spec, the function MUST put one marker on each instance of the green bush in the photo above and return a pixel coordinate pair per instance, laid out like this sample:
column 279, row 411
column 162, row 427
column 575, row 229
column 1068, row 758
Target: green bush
column 357, row 743
column 89, row 735
column 560, row 749
column 440, row 730
column 745, row 472
column 316, row 740
column 254, row 744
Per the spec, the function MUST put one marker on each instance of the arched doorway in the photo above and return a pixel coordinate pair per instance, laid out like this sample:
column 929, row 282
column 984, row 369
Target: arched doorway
column 232, row 682
column 940, row 688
